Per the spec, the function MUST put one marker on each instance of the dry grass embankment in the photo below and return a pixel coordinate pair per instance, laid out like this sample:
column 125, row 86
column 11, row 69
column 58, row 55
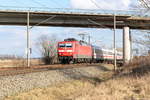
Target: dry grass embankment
column 57, row 92
column 126, row 88
column 139, row 65
column 133, row 86
column 18, row 62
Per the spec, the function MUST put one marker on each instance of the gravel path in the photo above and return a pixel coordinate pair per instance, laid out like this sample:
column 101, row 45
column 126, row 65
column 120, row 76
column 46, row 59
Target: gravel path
column 10, row 85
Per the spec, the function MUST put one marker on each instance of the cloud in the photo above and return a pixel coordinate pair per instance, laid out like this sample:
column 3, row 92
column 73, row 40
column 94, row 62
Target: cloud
column 100, row 4
column 82, row 4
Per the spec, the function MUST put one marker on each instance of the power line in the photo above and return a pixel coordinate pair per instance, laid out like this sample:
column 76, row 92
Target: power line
column 103, row 26
column 43, row 21
column 98, row 6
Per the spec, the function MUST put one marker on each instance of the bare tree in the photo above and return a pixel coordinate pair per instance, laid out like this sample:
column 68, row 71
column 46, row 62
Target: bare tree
column 145, row 3
column 48, row 48
column 144, row 40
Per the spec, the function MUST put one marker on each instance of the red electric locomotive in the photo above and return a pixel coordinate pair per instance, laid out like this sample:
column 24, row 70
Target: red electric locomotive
column 71, row 50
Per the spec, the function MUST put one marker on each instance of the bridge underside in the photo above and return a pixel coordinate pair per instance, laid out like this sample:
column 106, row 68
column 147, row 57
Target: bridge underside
column 73, row 20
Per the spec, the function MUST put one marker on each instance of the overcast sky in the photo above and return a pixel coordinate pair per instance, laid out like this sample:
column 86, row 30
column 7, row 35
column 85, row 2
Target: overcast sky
column 13, row 38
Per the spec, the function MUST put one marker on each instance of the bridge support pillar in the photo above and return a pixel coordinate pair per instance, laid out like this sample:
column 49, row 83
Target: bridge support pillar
column 126, row 45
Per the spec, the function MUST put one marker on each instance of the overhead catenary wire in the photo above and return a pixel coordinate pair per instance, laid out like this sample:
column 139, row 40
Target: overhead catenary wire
column 98, row 6
column 114, row 34
column 103, row 26
column 28, row 57
column 50, row 18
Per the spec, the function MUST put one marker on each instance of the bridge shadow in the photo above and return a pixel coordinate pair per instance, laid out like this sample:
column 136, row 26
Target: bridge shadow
column 91, row 73
column 100, row 67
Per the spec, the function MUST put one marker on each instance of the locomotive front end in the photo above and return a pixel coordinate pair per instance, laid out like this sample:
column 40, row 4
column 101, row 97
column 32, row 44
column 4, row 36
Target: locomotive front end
column 65, row 51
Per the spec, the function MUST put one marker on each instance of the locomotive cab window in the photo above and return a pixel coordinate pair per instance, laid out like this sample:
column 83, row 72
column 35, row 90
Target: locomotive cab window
column 61, row 45
column 68, row 45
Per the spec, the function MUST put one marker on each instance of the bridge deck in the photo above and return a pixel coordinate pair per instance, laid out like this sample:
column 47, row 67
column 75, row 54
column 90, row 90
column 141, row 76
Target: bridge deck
column 75, row 18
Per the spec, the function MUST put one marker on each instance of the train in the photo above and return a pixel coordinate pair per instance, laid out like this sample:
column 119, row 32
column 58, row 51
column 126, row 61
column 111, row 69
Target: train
column 73, row 51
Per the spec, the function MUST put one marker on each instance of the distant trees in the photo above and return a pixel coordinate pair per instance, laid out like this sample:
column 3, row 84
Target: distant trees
column 48, row 48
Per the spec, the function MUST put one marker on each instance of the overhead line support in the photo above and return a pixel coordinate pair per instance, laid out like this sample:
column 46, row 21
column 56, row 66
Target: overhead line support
column 28, row 39
column 114, row 43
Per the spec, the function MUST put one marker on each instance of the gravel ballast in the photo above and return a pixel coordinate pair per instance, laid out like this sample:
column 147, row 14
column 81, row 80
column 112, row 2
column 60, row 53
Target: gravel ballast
column 11, row 85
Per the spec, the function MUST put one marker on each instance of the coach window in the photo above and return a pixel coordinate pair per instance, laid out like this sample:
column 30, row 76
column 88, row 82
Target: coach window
column 68, row 45
column 61, row 45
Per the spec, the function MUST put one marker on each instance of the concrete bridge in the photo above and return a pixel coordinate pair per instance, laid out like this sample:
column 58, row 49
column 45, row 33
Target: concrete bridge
column 125, row 20
column 76, row 18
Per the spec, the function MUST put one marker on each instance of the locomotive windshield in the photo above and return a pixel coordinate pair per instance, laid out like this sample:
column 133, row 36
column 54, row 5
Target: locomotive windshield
column 68, row 45
column 61, row 45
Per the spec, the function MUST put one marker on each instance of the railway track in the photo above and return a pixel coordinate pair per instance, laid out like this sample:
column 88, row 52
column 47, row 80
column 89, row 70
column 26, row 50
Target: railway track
column 10, row 71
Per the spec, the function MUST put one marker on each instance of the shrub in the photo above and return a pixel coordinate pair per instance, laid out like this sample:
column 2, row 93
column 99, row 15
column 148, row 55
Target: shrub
column 139, row 65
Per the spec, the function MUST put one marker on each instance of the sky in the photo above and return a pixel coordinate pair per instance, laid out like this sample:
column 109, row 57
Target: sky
column 13, row 38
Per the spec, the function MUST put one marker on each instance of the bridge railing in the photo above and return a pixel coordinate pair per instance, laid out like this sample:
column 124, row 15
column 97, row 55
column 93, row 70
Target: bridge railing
column 141, row 13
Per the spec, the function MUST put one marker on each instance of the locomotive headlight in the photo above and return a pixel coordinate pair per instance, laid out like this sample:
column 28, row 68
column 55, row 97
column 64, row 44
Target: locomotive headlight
column 61, row 51
column 69, row 50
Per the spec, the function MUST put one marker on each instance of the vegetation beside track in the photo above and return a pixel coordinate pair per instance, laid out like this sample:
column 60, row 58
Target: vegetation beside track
column 132, row 85
column 120, row 88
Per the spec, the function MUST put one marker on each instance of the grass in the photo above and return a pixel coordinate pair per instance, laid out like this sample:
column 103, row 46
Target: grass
column 18, row 62
column 57, row 92
column 120, row 88
column 139, row 65
column 132, row 86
